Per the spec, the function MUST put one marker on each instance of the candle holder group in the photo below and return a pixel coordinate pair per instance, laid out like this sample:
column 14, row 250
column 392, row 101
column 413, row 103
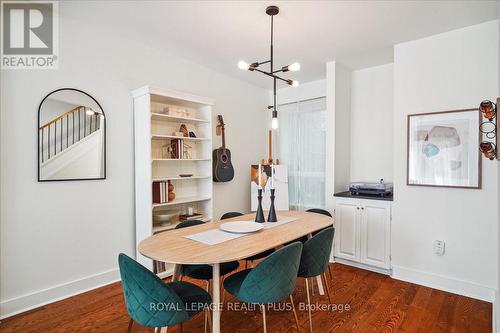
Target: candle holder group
column 259, row 215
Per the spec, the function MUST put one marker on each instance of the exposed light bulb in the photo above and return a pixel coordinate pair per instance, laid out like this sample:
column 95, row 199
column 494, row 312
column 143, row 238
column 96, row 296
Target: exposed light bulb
column 295, row 83
column 274, row 123
column 243, row 65
column 294, row 67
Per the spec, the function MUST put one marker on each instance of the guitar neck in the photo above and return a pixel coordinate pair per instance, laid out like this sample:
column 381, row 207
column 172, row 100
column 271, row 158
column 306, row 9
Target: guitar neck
column 223, row 139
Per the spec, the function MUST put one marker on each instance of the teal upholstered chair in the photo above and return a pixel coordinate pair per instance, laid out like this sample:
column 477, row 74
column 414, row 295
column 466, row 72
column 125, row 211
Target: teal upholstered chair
column 153, row 303
column 315, row 260
column 271, row 281
column 258, row 256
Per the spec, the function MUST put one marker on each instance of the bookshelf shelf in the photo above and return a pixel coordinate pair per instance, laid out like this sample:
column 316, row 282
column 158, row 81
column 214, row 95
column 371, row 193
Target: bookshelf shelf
column 152, row 132
column 179, row 178
column 178, row 201
column 166, row 117
column 180, row 159
column 163, row 137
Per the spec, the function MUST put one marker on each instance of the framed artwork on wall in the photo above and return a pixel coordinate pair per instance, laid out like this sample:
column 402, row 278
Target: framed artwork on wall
column 442, row 149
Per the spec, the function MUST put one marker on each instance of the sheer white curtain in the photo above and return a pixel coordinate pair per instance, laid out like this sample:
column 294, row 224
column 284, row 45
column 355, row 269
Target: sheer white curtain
column 301, row 147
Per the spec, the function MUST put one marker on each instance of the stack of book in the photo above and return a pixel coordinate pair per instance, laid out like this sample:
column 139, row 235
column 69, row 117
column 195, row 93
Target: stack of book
column 194, row 216
column 160, row 192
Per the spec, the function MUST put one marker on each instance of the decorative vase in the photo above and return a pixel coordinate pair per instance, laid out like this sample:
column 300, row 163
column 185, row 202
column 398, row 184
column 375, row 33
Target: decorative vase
column 259, row 215
column 272, row 211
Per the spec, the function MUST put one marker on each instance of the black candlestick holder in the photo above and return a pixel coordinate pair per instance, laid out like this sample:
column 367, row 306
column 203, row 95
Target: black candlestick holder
column 259, row 216
column 272, row 211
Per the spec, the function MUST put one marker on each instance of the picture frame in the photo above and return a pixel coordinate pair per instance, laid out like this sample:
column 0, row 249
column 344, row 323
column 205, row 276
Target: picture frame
column 442, row 149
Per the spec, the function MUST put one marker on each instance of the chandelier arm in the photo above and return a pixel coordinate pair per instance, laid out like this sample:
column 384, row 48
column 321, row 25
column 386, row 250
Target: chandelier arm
column 271, row 75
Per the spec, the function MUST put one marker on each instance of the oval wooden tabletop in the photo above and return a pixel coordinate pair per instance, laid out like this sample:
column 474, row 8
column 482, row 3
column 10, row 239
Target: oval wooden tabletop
column 172, row 246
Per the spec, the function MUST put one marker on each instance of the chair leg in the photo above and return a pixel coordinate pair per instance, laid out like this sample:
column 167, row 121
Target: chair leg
column 164, row 329
column 326, row 287
column 207, row 314
column 209, row 320
column 330, row 271
column 263, row 307
column 309, row 306
column 130, row 323
column 295, row 314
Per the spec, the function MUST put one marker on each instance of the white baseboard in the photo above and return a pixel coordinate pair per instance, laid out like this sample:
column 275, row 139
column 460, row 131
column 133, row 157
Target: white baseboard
column 444, row 283
column 363, row 266
column 33, row 300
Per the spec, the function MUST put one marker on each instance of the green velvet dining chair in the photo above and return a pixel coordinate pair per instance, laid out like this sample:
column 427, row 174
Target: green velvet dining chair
column 257, row 256
column 314, row 261
column 271, row 281
column 154, row 303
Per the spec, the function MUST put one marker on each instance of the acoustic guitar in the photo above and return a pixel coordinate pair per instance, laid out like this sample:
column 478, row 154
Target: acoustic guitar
column 223, row 170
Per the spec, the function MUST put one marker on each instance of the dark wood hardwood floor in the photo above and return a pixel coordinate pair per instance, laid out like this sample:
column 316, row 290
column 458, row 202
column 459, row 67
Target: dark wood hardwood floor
column 377, row 303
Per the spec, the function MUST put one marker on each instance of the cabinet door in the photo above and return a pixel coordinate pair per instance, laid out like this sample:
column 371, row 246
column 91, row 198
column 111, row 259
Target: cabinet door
column 375, row 234
column 347, row 230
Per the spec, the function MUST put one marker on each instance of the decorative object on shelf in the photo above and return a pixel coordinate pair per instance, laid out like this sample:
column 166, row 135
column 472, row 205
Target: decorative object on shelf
column 178, row 150
column 171, row 194
column 223, row 170
column 272, row 11
column 164, row 217
column 176, row 111
column 71, row 137
column 192, row 135
column 184, row 130
column 489, row 129
column 180, row 134
column 440, row 149
column 190, row 217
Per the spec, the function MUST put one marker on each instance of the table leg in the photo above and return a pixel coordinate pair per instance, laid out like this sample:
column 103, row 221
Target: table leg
column 177, row 272
column 216, row 298
column 321, row 290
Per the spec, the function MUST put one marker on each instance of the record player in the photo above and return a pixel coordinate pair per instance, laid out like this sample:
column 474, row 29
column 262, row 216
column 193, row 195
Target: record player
column 381, row 189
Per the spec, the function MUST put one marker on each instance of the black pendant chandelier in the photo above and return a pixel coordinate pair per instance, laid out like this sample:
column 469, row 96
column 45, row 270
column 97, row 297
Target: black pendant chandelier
column 272, row 11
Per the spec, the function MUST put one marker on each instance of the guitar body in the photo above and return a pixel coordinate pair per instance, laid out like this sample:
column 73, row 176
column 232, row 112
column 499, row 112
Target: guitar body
column 223, row 170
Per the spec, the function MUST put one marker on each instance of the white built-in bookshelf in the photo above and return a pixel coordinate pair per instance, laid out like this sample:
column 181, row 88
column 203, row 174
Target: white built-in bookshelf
column 158, row 115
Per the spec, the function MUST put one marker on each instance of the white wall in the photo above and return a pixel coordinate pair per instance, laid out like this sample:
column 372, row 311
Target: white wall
column 371, row 123
column 445, row 72
column 49, row 249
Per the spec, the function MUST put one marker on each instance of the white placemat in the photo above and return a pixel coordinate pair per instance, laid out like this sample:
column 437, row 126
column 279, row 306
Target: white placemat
column 217, row 236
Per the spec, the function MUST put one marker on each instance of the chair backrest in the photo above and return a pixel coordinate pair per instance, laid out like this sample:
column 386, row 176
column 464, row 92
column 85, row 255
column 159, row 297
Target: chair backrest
column 150, row 301
column 274, row 278
column 316, row 253
column 319, row 211
column 190, row 223
column 229, row 215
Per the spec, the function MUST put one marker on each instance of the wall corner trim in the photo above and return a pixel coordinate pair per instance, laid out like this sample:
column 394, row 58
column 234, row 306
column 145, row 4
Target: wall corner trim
column 444, row 283
column 56, row 293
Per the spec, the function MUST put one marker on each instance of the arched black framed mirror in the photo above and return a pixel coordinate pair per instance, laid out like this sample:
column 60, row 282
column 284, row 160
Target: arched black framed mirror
column 71, row 137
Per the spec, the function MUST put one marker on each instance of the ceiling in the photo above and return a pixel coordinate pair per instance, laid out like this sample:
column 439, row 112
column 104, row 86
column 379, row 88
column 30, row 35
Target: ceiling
column 217, row 34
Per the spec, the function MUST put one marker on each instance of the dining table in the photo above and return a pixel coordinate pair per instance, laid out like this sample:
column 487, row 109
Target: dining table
column 203, row 244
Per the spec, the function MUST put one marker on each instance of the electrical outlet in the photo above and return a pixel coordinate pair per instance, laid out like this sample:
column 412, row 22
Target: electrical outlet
column 439, row 247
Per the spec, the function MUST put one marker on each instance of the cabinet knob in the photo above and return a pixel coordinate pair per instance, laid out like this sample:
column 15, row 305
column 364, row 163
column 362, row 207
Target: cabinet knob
column 363, row 208
column 357, row 208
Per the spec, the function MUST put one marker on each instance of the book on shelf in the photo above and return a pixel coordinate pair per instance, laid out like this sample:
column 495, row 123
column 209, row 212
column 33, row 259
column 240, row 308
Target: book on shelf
column 160, row 192
column 186, row 217
column 177, row 146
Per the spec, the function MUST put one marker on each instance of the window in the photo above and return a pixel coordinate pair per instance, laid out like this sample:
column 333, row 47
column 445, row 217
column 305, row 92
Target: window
column 301, row 146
